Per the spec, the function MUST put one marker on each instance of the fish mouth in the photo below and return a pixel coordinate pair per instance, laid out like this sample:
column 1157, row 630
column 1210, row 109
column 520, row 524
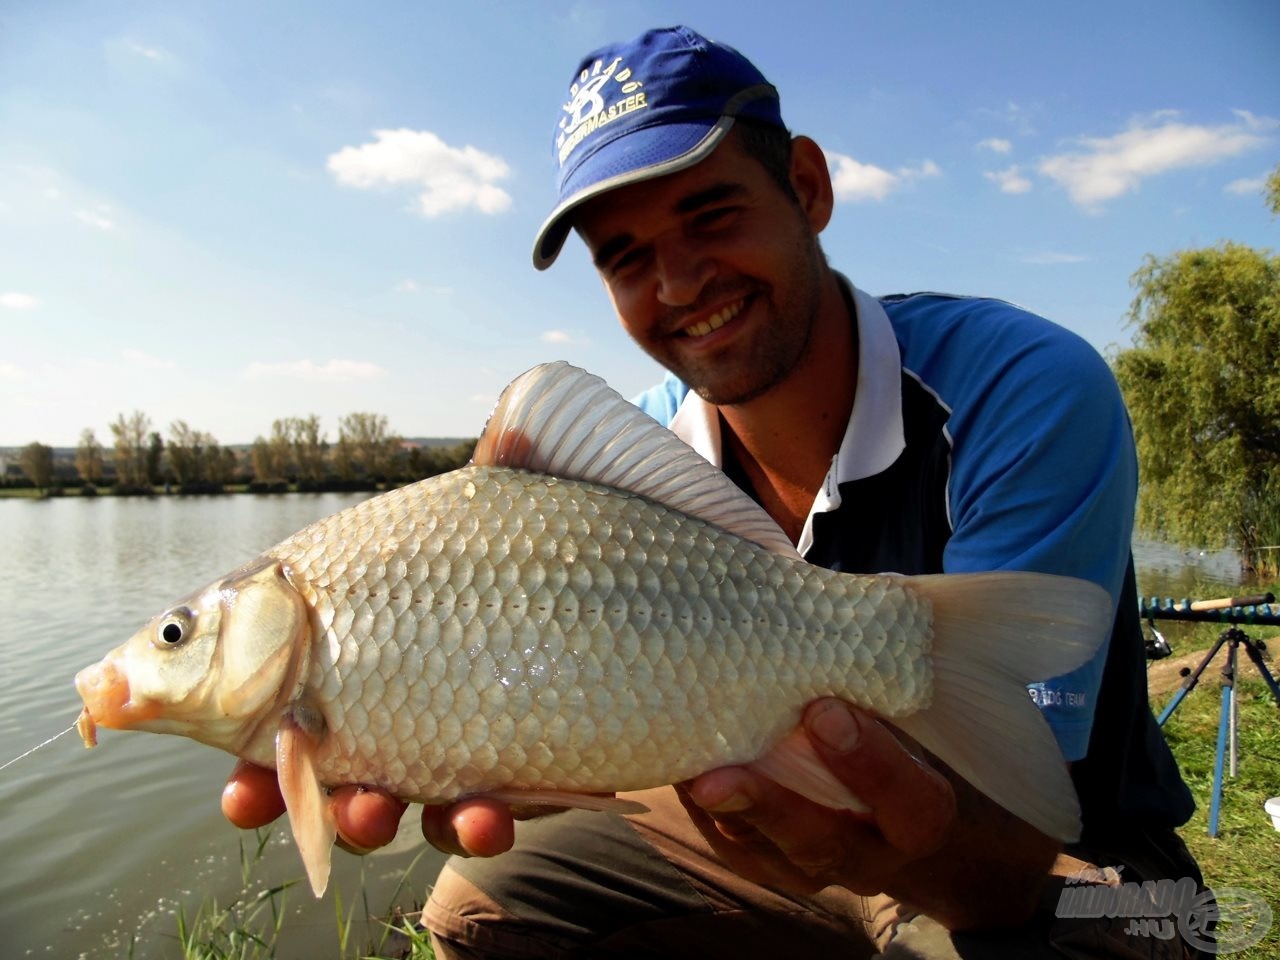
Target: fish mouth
column 107, row 701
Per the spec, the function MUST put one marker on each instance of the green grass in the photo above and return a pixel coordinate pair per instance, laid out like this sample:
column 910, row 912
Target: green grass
column 1246, row 852
column 249, row 926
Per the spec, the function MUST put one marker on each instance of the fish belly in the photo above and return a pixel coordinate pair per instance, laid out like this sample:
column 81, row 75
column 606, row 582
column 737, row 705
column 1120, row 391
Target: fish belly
column 494, row 628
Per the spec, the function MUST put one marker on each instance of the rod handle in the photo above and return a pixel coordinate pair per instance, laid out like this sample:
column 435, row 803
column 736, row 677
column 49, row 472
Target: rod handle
column 1226, row 603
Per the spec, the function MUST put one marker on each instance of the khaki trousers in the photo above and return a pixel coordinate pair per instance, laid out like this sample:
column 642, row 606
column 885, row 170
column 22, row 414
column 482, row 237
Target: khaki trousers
column 592, row 885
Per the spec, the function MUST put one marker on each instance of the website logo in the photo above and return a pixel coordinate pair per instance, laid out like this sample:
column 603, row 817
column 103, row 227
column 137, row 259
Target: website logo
column 1221, row 921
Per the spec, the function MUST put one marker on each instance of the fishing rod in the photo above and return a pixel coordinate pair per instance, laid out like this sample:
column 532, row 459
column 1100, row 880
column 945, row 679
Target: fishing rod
column 1261, row 609
column 1255, row 610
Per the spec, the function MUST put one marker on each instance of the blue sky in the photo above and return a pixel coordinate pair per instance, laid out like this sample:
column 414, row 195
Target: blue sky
column 232, row 212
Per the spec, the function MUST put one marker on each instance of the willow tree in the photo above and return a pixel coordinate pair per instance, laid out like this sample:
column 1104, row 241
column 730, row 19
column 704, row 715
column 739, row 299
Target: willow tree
column 1202, row 381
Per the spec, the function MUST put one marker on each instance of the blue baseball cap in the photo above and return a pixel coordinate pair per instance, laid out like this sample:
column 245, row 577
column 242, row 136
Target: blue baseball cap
column 645, row 108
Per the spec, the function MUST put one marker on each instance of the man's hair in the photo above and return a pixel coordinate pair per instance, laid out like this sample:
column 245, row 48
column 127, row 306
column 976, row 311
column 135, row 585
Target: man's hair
column 770, row 146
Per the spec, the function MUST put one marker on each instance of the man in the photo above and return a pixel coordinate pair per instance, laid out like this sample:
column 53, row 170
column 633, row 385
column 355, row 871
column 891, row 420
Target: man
column 915, row 434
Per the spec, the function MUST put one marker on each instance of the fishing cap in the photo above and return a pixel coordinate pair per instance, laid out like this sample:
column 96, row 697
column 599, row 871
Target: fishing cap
column 644, row 108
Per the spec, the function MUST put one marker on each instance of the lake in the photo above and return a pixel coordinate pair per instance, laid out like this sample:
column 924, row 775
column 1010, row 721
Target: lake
column 103, row 847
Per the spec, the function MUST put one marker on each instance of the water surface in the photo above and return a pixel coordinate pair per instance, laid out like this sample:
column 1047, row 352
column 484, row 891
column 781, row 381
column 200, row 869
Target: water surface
column 101, row 846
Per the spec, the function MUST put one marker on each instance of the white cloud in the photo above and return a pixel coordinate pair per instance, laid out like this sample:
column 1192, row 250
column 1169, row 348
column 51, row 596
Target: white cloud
column 450, row 178
column 10, row 371
column 151, row 53
column 1048, row 258
column 1109, row 167
column 854, row 181
column 413, row 286
column 13, row 300
column 139, row 358
column 1013, row 115
column 95, row 219
column 334, row 371
column 996, row 145
column 558, row 336
column 1247, row 185
column 1010, row 180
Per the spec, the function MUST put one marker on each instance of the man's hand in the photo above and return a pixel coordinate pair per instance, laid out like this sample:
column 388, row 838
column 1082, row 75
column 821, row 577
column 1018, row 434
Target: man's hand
column 774, row 836
column 367, row 818
column 929, row 839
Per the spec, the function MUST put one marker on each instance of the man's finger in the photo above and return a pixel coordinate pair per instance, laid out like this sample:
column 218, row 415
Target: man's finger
column 366, row 818
column 913, row 805
column 478, row 827
column 251, row 797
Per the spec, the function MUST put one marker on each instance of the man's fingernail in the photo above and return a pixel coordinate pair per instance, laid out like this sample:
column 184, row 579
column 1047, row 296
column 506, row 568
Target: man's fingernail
column 714, row 799
column 835, row 727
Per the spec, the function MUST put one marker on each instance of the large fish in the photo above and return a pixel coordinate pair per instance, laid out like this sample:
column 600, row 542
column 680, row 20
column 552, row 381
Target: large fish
column 588, row 607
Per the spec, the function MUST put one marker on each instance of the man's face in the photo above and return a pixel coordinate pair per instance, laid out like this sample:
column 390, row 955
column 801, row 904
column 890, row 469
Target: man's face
column 714, row 271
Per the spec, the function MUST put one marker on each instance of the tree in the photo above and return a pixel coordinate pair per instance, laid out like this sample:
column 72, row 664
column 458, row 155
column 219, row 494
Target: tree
column 1202, row 382
column 1273, row 190
column 310, row 449
column 89, row 458
column 196, row 459
column 131, row 452
column 37, row 464
column 364, row 444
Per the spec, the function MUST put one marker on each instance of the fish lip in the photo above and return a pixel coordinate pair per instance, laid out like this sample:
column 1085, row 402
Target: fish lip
column 108, row 702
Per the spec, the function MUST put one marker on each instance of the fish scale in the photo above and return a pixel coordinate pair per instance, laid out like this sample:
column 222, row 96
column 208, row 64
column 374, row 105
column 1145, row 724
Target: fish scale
column 568, row 634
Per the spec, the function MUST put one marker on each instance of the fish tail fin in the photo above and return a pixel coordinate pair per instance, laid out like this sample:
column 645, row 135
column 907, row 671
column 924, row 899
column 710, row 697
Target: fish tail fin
column 993, row 634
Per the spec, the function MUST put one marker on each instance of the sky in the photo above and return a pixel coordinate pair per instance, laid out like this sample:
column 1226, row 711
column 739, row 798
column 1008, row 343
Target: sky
column 232, row 212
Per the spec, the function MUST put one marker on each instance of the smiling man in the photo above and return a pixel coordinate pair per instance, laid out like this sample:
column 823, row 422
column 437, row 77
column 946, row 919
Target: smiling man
column 915, row 433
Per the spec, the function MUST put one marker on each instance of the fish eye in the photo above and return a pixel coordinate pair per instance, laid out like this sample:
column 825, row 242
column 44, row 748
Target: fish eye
column 173, row 629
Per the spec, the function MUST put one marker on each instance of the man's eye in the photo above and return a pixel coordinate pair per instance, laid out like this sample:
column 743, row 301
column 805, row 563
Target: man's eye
column 715, row 218
column 626, row 260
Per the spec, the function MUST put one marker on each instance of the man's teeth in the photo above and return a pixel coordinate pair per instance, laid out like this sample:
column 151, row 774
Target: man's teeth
column 715, row 322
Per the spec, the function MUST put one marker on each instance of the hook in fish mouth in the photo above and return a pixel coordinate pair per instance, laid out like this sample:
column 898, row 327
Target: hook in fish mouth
column 87, row 729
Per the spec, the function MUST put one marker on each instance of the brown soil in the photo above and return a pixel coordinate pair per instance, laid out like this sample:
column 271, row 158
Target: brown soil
column 1164, row 676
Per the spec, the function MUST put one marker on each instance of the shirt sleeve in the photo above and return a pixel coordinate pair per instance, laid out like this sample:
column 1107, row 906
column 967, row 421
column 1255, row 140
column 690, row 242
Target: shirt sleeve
column 1044, row 476
column 662, row 400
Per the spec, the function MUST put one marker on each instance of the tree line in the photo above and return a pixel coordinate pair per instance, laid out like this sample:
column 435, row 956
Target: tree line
column 297, row 455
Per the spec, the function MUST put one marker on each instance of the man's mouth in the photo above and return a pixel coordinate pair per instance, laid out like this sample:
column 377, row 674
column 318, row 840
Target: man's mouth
column 715, row 321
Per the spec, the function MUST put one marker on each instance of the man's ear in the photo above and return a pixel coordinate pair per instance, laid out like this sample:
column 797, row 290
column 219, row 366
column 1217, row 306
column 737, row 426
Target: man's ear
column 811, row 180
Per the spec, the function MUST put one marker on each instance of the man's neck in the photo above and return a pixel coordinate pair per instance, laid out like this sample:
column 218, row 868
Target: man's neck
column 785, row 439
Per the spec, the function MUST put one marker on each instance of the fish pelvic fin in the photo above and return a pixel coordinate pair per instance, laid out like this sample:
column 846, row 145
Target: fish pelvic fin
column 793, row 762
column 559, row 420
column 994, row 633
column 310, row 810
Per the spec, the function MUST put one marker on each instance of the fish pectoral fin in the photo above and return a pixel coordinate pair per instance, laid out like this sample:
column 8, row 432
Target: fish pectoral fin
column 793, row 763
column 563, row 798
column 310, row 811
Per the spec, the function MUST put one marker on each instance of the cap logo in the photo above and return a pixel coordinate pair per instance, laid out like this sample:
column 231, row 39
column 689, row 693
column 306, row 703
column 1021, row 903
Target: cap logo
column 587, row 111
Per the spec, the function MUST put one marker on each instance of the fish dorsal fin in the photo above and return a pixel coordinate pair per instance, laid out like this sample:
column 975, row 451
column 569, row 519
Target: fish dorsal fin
column 562, row 421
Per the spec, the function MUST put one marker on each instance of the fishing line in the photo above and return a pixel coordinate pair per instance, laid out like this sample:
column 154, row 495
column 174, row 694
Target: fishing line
column 38, row 746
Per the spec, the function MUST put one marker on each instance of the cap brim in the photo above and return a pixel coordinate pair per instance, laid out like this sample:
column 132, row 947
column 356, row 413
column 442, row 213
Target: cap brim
column 676, row 147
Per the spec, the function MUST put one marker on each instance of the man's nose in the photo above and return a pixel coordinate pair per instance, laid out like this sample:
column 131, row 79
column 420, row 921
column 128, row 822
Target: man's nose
column 683, row 269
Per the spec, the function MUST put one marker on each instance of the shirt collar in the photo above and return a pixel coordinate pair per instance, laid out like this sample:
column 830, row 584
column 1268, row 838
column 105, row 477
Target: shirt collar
column 873, row 438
